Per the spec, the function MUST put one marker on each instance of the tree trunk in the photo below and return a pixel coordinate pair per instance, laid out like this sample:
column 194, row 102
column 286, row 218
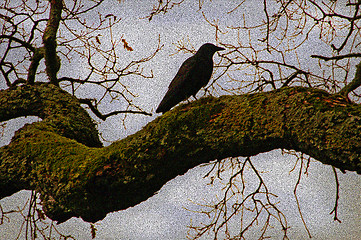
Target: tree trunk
column 62, row 159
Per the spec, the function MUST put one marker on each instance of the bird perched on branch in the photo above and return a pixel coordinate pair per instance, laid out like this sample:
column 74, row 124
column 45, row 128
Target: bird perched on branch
column 194, row 74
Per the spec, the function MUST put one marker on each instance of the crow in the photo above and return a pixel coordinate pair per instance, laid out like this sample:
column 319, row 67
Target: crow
column 194, row 74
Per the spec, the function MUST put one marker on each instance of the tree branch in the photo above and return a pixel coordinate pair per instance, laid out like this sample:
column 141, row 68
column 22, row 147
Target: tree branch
column 103, row 117
column 334, row 210
column 355, row 83
column 338, row 57
column 76, row 180
column 293, row 76
column 21, row 42
column 34, row 64
column 52, row 61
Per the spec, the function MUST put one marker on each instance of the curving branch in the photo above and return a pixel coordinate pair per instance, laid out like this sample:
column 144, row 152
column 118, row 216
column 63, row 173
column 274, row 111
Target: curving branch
column 21, row 42
column 34, row 64
column 338, row 57
column 103, row 117
column 355, row 83
column 57, row 156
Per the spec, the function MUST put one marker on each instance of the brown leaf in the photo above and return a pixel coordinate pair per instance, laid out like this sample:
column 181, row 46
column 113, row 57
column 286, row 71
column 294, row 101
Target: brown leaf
column 93, row 230
column 97, row 39
column 126, row 45
column 40, row 214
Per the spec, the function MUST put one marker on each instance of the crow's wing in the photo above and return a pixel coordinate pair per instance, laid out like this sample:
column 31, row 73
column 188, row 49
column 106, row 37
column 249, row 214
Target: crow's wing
column 178, row 89
column 184, row 75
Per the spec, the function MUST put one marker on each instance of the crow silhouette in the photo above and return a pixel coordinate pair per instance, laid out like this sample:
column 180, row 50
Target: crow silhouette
column 194, row 74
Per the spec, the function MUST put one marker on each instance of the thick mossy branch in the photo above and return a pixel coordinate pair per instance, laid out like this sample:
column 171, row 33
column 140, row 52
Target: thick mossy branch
column 60, row 111
column 76, row 180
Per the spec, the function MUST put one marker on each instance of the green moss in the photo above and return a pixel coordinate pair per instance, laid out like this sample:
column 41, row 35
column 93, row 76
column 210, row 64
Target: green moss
column 55, row 156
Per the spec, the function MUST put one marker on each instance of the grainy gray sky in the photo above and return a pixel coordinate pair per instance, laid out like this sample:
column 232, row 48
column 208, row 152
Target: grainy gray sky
column 164, row 216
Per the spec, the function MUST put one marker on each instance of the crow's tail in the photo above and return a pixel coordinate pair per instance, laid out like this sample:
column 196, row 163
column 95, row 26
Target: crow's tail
column 170, row 100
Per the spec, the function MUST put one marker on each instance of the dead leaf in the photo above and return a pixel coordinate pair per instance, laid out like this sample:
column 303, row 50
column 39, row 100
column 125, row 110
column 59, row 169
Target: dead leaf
column 126, row 45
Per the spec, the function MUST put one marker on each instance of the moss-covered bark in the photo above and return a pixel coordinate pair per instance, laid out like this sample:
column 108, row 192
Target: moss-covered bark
column 60, row 157
column 52, row 60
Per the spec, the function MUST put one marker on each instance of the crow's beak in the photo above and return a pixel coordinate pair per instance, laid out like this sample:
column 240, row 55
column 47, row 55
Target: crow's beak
column 219, row 48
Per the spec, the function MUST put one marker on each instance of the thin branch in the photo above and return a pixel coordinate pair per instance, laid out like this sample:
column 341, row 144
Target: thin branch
column 234, row 202
column 338, row 57
column 103, row 117
column 334, row 210
column 162, row 7
column 355, row 83
column 21, row 42
column 266, row 39
column 298, row 203
column 352, row 27
column 290, row 78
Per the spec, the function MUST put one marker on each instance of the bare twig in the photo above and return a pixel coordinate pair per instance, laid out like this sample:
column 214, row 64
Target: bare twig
column 163, row 7
column 35, row 224
column 355, row 83
column 235, row 202
column 297, row 201
column 334, row 210
column 103, row 117
column 338, row 57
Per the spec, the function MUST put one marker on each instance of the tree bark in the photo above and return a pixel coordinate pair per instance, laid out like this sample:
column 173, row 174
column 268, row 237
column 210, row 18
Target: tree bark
column 52, row 60
column 61, row 158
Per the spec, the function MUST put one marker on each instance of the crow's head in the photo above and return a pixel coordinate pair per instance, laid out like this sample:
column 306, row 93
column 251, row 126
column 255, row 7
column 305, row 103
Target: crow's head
column 208, row 49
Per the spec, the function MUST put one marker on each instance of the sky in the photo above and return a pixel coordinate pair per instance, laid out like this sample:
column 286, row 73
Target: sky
column 167, row 214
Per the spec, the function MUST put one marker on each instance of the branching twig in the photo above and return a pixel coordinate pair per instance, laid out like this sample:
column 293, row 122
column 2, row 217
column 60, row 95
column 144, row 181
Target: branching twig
column 355, row 83
column 103, row 117
column 334, row 210
column 163, row 7
column 295, row 194
column 234, row 202
column 290, row 78
column 35, row 224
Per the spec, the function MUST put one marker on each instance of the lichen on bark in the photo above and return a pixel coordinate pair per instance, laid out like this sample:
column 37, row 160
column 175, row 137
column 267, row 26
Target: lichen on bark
column 62, row 159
